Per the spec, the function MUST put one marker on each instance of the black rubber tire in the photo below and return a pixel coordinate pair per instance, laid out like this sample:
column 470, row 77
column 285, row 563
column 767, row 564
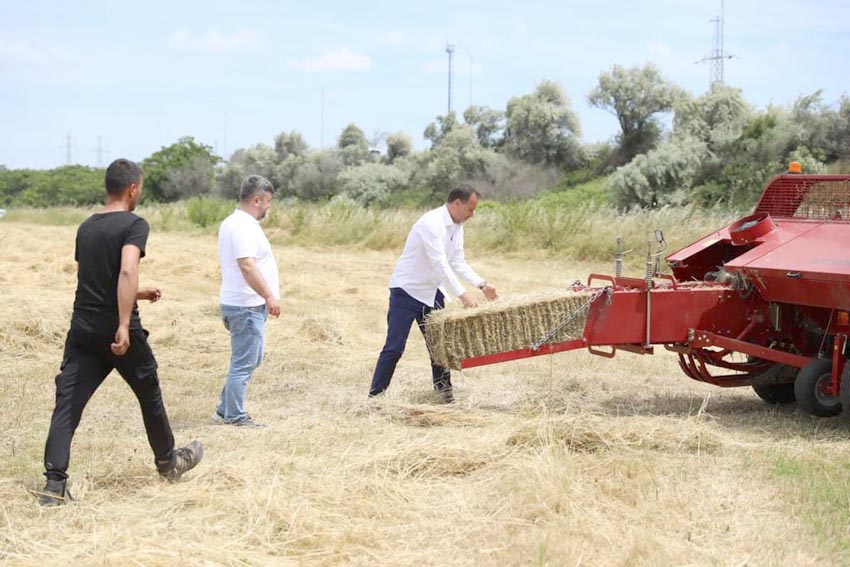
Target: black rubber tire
column 776, row 393
column 807, row 389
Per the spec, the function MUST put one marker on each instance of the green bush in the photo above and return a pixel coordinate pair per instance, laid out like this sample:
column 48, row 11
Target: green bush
column 205, row 211
column 372, row 183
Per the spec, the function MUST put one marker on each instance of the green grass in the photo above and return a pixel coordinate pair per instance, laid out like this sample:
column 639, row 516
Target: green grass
column 816, row 485
column 54, row 216
column 562, row 224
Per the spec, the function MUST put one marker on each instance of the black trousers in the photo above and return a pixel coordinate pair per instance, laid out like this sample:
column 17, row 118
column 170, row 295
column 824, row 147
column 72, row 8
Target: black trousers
column 403, row 311
column 85, row 364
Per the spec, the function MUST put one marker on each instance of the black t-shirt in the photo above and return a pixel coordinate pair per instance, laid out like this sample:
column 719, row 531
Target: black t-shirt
column 98, row 254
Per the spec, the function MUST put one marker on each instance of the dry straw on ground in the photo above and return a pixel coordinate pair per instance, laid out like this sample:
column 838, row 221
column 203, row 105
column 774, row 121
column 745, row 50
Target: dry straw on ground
column 563, row 460
column 511, row 323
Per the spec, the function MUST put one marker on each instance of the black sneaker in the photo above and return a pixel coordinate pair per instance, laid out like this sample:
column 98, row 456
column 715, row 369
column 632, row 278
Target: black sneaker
column 444, row 391
column 184, row 459
column 54, row 493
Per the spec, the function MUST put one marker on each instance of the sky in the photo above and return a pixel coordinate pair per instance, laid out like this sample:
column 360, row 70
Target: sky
column 87, row 82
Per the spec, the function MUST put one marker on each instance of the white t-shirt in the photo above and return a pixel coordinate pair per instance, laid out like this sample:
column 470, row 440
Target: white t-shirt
column 240, row 236
column 432, row 255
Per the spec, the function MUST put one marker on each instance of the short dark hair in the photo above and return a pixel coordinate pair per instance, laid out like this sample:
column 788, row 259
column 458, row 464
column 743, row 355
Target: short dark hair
column 462, row 192
column 120, row 174
column 254, row 184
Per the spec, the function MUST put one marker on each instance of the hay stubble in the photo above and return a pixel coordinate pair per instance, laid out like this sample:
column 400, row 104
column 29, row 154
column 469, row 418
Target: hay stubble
column 562, row 460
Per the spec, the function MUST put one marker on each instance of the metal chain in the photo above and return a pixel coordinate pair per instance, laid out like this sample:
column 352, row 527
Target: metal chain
column 569, row 318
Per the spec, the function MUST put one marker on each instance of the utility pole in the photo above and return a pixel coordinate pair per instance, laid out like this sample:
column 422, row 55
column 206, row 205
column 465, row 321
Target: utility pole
column 322, row 131
column 450, row 49
column 226, row 156
column 100, row 151
column 68, row 149
column 717, row 55
column 468, row 52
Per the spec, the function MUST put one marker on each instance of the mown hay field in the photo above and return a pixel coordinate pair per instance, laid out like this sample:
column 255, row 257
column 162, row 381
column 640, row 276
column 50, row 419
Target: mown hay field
column 563, row 460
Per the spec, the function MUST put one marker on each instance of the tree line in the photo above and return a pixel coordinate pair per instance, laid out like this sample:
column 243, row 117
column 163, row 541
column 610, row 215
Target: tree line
column 673, row 148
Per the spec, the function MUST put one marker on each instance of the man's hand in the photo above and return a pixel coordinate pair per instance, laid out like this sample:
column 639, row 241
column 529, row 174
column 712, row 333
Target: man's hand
column 467, row 300
column 490, row 292
column 273, row 305
column 151, row 294
column 122, row 341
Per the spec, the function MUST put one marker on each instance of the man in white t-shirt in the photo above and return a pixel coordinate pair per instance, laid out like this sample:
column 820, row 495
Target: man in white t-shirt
column 250, row 292
column 432, row 259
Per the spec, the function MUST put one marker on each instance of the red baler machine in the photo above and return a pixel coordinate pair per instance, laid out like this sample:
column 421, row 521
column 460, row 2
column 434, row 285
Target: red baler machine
column 763, row 302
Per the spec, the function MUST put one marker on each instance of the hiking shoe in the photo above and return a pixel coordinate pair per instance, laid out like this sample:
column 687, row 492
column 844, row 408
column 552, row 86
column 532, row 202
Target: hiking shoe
column 446, row 396
column 184, row 459
column 217, row 418
column 444, row 391
column 54, row 493
column 248, row 422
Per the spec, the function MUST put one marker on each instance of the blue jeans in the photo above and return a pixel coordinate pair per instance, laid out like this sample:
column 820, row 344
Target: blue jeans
column 403, row 311
column 247, row 326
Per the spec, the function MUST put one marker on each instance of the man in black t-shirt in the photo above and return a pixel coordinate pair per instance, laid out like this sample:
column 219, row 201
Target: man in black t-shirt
column 106, row 333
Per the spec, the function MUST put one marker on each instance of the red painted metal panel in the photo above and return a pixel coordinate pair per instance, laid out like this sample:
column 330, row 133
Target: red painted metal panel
column 684, row 254
column 815, row 293
column 823, row 254
column 673, row 312
column 785, row 232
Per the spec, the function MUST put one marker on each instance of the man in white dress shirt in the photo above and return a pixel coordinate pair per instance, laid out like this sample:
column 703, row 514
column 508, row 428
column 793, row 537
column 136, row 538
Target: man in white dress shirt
column 432, row 259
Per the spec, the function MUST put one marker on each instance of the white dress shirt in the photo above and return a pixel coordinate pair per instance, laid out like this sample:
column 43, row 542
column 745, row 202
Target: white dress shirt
column 241, row 236
column 432, row 255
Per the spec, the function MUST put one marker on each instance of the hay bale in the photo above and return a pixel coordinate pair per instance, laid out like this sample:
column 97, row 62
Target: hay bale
column 507, row 324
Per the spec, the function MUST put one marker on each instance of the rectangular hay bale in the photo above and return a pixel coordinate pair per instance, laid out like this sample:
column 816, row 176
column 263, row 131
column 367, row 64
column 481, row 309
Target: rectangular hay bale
column 504, row 325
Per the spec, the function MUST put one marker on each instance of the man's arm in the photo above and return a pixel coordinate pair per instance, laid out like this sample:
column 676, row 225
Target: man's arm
column 128, row 287
column 461, row 268
column 255, row 279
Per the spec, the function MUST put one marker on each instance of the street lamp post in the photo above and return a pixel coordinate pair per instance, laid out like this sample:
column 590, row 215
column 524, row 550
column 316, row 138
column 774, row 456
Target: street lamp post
column 450, row 49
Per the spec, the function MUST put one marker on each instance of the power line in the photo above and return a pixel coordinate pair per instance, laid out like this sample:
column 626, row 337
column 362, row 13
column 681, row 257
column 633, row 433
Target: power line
column 100, row 151
column 717, row 54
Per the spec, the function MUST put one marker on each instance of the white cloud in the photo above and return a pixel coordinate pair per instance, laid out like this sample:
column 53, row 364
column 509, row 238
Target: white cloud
column 213, row 41
column 339, row 60
column 658, row 48
column 19, row 53
column 521, row 27
column 393, row 38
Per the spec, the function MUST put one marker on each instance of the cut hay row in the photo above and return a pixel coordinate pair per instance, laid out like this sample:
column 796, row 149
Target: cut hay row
column 588, row 434
column 507, row 324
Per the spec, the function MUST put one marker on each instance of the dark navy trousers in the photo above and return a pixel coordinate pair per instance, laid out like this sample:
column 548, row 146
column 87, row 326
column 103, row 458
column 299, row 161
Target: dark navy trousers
column 403, row 311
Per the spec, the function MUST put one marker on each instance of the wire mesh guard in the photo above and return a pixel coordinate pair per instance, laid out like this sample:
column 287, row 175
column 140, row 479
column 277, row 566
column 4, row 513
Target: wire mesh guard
column 520, row 322
column 823, row 197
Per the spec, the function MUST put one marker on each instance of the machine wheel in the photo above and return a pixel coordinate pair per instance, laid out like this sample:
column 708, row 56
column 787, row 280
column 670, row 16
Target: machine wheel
column 808, row 389
column 775, row 393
